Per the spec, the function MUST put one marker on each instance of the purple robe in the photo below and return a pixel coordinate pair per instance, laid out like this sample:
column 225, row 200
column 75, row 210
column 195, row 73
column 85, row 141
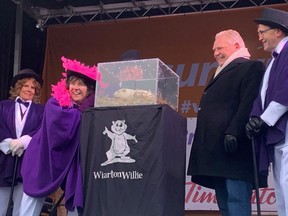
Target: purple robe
column 52, row 159
column 8, row 130
column 277, row 91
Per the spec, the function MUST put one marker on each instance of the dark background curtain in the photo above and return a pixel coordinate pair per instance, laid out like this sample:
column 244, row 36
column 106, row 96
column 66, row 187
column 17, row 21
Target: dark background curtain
column 7, row 31
column 33, row 45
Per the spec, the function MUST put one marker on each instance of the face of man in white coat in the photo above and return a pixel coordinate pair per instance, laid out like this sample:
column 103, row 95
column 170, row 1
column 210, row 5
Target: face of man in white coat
column 269, row 37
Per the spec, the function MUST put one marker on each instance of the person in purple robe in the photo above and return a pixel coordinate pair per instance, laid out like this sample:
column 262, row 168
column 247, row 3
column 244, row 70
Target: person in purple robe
column 52, row 160
column 269, row 116
column 20, row 118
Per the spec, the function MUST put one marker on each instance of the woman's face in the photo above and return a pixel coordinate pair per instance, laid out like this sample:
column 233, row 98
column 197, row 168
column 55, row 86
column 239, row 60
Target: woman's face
column 27, row 91
column 78, row 90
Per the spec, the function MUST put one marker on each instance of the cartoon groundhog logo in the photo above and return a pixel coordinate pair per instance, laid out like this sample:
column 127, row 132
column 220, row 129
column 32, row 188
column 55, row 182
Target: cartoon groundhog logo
column 119, row 148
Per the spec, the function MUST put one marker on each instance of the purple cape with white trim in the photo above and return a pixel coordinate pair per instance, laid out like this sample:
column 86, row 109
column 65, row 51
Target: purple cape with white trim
column 8, row 130
column 277, row 91
column 53, row 159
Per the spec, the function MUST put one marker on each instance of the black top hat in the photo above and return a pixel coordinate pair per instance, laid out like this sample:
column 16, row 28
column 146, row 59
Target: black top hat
column 130, row 55
column 26, row 73
column 274, row 18
column 87, row 80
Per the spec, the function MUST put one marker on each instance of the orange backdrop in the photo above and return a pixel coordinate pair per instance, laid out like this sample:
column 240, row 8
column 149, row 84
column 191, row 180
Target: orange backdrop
column 182, row 41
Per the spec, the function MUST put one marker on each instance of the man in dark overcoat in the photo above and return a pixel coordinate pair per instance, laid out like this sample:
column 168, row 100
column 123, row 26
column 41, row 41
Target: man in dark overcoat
column 221, row 154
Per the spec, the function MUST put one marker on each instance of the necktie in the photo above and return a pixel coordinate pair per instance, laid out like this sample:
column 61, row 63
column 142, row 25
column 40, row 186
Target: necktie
column 26, row 104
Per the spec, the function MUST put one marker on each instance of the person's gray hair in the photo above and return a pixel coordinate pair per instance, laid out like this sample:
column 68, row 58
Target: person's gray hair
column 233, row 37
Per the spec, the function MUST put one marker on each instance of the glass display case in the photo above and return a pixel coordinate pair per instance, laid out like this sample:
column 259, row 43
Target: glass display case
column 137, row 82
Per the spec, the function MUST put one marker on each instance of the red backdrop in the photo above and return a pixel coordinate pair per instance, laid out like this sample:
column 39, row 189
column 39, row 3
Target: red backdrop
column 182, row 41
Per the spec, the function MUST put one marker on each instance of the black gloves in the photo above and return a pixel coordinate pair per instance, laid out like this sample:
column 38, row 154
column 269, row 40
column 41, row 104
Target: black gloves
column 230, row 143
column 255, row 126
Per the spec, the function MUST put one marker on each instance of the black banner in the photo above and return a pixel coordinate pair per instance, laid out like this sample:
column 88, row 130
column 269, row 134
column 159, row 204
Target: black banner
column 133, row 161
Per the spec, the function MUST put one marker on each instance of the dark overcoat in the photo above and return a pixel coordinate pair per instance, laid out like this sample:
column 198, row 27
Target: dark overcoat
column 224, row 109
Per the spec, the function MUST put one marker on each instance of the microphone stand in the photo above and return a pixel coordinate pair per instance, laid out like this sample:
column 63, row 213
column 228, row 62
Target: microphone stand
column 55, row 206
column 256, row 177
column 9, row 211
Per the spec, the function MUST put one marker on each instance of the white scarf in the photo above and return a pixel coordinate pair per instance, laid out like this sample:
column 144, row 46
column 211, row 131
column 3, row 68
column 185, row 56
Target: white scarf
column 242, row 52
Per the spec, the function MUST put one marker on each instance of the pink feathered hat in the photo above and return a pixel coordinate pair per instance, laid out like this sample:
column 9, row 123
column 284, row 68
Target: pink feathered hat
column 76, row 68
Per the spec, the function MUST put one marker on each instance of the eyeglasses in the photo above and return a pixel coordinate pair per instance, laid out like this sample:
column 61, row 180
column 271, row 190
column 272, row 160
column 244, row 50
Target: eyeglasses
column 261, row 32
